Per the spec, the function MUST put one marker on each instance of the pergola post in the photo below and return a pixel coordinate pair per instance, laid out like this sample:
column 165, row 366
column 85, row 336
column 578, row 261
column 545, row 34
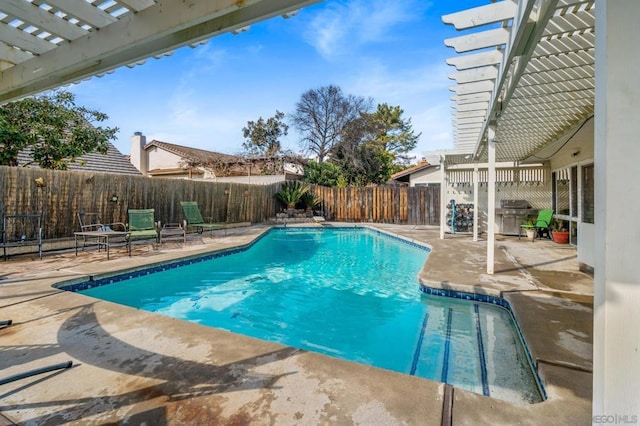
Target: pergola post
column 475, row 201
column 491, row 200
column 443, row 196
column 616, row 340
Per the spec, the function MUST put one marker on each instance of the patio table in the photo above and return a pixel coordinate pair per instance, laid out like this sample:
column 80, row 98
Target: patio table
column 172, row 231
column 103, row 238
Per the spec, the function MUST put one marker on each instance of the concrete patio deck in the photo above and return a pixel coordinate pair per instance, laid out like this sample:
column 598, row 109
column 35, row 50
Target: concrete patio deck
column 135, row 367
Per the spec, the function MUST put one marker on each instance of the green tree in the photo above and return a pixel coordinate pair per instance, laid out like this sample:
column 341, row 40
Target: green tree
column 54, row 129
column 321, row 115
column 263, row 137
column 374, row 146
column 325, row 174
column 349, row 154
column 393, row 132
column 364, row 163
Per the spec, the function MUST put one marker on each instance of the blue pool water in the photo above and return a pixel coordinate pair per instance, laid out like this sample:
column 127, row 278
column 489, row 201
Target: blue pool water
column 350, row 293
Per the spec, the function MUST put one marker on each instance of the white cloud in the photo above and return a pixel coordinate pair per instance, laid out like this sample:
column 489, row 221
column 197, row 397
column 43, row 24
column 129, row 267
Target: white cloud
column 401, row 83
column 344, row 25
column 207, row 58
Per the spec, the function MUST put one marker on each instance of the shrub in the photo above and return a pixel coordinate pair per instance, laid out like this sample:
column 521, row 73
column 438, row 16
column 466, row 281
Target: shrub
column 291, row 193
column 309, row 200
column 324, row 174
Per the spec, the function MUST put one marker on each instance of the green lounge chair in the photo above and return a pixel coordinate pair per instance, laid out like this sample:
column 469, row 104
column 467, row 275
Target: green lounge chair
column 194, row 218
column 141, row 226
column 541, row 225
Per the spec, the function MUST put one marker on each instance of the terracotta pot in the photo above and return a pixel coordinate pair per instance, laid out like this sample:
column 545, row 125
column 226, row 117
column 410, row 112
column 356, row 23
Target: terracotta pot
column 560, row 237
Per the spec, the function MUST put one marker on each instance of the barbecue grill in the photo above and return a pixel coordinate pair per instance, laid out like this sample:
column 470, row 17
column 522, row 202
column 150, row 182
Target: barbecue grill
column 514, row 213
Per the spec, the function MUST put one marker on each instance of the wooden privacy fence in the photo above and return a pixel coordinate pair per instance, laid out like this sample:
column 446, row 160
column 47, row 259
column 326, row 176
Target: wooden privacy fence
column 381, row 204
column 65, row 193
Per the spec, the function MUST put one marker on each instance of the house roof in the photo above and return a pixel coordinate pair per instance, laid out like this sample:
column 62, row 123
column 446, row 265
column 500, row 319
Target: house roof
column 254, row 179
column 111, row 162
column 47, row 44
column 174, row 172
column 420, row 166
column 193, row 153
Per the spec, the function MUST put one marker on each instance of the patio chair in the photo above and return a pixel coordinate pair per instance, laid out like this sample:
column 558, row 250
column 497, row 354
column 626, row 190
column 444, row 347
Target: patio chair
column 141, row 226
column 19, row 230
column 194, row 218
column 91, row 222
column 541, row 225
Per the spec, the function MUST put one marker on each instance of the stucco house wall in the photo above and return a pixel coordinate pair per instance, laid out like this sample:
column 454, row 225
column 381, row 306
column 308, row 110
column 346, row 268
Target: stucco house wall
column 430, row 175
column 161, row 159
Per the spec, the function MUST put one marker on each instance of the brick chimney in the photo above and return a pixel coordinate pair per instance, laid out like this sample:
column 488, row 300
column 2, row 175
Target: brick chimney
column 138, row 154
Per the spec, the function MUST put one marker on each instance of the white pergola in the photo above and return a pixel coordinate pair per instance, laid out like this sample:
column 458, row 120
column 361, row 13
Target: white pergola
column 530, row 80
column 46, row 44
column 537, row 73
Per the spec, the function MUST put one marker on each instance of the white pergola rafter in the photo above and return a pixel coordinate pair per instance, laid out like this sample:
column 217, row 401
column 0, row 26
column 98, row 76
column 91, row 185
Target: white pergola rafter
column 472, row 98
column 47, row 44
column 544, row 71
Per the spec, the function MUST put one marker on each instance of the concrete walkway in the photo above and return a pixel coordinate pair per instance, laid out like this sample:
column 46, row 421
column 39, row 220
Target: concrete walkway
column 135, row 367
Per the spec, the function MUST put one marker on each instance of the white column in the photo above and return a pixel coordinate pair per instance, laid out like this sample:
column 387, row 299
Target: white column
column 443, row 196
column 475, row 202
column 491, row 186
column 616, row 340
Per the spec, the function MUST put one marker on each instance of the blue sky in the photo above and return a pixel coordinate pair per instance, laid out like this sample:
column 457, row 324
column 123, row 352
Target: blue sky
column 391, row 51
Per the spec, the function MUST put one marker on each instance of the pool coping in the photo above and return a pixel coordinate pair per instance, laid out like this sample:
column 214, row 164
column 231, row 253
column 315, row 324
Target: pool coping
column 466, row 401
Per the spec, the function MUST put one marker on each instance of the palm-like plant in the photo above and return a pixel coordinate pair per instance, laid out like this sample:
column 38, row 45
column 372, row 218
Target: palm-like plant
column 291, row 192
column 310, row 200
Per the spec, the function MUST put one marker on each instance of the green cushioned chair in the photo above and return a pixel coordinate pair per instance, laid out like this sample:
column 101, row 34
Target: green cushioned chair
column 541, row 225
column 194, row 218
column 142, row 225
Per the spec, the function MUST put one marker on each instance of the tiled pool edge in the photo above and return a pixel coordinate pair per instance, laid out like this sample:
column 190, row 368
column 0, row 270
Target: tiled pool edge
column 93, row 281
column 499, row 302
column 116, row 276
column 410, row 241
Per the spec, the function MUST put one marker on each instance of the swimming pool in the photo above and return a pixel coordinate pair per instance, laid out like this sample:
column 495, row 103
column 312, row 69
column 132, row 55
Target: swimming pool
column 345, row 292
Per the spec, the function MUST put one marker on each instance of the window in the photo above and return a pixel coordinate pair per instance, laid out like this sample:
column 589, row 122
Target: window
column 588, row 194
column 562, row 191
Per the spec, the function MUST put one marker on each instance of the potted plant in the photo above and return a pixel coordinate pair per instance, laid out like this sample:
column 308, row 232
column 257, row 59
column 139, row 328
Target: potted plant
column 530, row 229
column 559, row 232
